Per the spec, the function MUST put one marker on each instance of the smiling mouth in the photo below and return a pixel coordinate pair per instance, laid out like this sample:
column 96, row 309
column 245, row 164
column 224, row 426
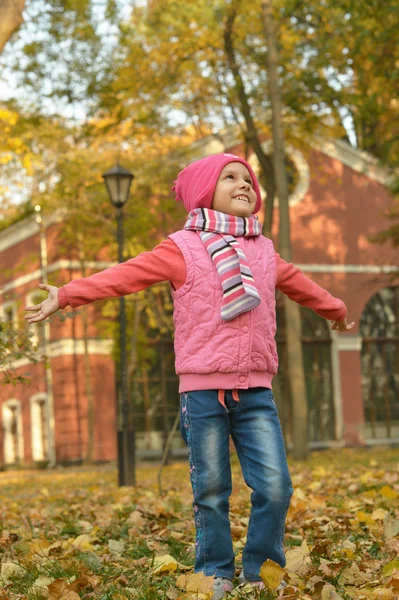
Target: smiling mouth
column 242, row 198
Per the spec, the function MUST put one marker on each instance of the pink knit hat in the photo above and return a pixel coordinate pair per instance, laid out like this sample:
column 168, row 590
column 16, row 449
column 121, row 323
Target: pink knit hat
column 195, row 185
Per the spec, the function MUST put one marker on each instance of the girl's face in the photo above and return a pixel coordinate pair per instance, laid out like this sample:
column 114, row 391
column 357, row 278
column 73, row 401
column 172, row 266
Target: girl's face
column 234, row 193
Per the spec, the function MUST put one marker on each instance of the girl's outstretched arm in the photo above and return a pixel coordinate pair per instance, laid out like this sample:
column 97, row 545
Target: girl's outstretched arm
column 163, row 263
column 298, row 287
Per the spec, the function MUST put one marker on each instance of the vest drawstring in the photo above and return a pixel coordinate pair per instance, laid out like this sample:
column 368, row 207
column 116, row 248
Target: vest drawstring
column 221, row 397
column 236, row 396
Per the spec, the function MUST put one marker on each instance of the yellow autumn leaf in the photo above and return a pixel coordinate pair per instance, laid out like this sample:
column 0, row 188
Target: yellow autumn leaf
column 70, row 596
column 329, row 593
column 299, row 493
column 390, row 567
column 348, row 548
column 165, row 564
column 391, row 527
column 315, row 486
column 364, row 518
column 388, row 493
column 319, row 471
column 370, row 494
column 272, row 574
column 136, row 518
column 41, row 546
column 83, row 542
column 41, row 584
column 298, row 559
column 195, row 582
column 365, row 478
column 352, row 575
column 379, row 514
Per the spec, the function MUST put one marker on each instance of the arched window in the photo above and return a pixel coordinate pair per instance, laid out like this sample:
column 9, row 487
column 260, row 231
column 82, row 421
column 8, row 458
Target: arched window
column 379, row 328
column 316, row 345
column 9, row 317
column 13, row 436
column 39, row 427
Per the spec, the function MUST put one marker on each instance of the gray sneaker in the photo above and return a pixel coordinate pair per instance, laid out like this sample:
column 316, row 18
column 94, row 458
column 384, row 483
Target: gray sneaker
column 242, row 579
column 221, row 585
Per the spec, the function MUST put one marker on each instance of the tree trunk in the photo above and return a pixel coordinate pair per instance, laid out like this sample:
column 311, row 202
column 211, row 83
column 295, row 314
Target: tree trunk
column 87, row 367
column 11, row 18
column 164, row 395
column 292, row 311
column 251, row 134
column 88, row 388
column 147, row 409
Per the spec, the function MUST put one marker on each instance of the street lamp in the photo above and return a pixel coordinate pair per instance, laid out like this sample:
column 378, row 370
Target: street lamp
column 118, row 181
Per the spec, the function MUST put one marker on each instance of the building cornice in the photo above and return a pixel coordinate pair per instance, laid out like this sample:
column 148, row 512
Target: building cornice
column 52, row 268
column 358, row 160
column 27, row 228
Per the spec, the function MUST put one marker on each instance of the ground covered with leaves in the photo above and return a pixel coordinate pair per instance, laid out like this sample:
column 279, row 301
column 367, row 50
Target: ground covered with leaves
column 72, row 533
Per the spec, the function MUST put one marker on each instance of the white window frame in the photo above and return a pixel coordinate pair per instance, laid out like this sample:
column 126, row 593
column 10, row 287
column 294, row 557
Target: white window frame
column 7, row 439
column 35, row 327
column 36, row 425
column 5, row 307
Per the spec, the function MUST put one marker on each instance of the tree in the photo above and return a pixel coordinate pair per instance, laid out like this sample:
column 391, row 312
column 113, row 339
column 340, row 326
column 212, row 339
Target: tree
column 292, row 311
column 15, row 344
column 11, row 19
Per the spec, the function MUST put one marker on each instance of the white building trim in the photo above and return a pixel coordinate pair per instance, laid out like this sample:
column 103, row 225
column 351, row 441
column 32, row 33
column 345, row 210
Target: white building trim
column 356, row 269
column 349, row 342
column 34, row 328
column 5, row 306
column 101, row 265
column 68, row 347
column 27, row 228
column 56, row 266
column 38, row 429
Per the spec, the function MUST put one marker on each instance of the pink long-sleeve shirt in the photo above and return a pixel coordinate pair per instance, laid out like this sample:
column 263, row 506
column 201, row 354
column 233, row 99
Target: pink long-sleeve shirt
column 166, row 263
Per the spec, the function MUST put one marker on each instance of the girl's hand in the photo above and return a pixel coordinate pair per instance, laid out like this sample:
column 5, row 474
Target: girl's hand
column 342, row 325
column 46, row 308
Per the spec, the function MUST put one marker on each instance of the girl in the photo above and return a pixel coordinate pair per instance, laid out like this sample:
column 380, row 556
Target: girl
column 223, row 273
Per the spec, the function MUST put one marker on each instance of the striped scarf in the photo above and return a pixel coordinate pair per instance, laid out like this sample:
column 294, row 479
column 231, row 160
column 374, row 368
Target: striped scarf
column 218, row 232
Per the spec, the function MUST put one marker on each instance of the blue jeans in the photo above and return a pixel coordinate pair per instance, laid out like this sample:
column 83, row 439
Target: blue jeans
column 253, row 423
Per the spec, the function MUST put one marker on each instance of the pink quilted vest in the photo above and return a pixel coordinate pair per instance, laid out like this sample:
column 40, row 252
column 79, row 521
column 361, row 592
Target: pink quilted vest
column 216, row 354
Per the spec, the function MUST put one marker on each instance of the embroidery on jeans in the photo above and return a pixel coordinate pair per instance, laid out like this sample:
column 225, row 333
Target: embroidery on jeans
column 193, row 475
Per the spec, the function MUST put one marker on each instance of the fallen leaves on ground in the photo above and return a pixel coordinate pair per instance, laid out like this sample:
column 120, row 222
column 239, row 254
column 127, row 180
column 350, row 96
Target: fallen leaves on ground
column 72, row 534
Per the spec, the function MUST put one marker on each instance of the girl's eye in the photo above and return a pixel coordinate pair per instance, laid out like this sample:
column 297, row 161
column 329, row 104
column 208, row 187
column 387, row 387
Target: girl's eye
column 232, row 176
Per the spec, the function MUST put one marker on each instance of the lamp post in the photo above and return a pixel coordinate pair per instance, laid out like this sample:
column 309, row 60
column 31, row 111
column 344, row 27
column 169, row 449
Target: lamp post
column 118, row 181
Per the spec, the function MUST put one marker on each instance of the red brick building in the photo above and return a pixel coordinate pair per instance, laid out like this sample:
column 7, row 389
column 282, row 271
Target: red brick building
column 339, row 200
